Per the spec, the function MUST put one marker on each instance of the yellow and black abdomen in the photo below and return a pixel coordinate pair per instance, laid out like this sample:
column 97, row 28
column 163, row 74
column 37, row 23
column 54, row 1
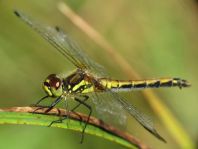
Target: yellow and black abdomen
column 126, row 85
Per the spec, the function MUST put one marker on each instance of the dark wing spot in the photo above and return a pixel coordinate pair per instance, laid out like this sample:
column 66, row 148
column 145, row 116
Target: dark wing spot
column 16, row 13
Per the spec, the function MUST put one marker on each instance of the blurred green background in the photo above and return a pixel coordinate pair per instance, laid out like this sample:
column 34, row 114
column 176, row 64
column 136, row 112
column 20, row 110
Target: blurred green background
column 157, row 38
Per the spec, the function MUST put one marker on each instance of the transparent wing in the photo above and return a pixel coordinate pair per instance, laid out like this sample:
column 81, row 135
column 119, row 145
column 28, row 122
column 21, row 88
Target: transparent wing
column 68, row 48
column 108, row 109
column 144, row 120
column 64, row 44
column 110, row 103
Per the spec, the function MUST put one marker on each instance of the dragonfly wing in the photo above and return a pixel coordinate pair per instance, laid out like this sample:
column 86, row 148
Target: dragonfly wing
column 63, row 44
column 68, row 48
column 108, row 109
column 144, row 120
column 78, row 54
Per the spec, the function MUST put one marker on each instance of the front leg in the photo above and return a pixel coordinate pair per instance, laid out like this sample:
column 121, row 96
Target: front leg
column 50, row 106
column 37, row 103
column 72, row 110
column 90, row 112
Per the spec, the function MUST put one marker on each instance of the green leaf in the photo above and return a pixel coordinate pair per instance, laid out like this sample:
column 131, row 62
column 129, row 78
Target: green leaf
column 76, row 122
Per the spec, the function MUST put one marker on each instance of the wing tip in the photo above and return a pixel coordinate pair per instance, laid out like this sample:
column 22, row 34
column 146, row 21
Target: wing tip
column 160, row 137
column 156, row 134
column 17, row 13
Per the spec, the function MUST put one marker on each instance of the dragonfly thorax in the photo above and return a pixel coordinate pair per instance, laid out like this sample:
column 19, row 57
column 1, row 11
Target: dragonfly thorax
column 53, row 85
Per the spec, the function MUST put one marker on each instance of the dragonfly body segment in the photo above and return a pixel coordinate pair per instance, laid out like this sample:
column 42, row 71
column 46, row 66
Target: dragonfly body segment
column 81, row 82
column 127, row 85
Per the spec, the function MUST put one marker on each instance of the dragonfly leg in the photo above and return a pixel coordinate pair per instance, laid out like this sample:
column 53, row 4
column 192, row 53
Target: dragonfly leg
column 80, row 102
column 50, row 106
column 90, row 112
column 53, row 104
column 56, row 121
column 74, row 108
column 63, row 118
column 84, row 100
column 37, row 103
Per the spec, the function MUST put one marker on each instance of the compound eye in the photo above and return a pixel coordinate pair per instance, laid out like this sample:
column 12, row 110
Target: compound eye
column 55, row 82
column 47, row 84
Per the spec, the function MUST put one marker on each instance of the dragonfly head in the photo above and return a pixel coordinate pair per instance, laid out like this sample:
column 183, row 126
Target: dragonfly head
column 53, row 86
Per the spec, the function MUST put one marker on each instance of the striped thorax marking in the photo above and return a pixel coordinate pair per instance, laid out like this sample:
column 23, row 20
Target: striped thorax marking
column 78, row 82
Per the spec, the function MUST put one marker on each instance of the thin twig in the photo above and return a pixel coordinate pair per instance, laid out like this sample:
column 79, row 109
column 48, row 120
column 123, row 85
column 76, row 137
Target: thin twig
column 81, row 117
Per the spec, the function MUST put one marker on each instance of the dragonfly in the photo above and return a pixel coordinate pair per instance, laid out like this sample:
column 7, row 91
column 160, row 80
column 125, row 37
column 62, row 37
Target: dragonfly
column 89, row 80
